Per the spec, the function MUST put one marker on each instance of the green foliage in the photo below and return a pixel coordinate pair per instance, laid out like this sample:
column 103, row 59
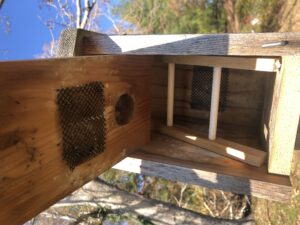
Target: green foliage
column 197, row 16
column 102, row 215
column 144, row 221
column 123, row 180
column 269, row 15
column 265, row 11
column 171, row 16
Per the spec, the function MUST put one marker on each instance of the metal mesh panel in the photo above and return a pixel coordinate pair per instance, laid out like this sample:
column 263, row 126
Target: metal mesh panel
column 82, row 122
column 202, row 87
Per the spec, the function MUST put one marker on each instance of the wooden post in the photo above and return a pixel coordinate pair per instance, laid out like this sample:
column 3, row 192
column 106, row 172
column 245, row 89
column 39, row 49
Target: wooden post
column 284, row 116
column 170, row 100
column 214, row 105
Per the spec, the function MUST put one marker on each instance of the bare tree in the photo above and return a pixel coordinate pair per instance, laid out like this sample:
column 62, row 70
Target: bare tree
column 71, row 13
column 83, row 14
column 67, row 14
column 4, row 20
column 5, row 25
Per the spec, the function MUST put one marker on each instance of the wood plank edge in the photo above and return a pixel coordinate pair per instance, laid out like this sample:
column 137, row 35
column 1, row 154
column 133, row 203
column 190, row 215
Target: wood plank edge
column 243, row 63
column 188, row 44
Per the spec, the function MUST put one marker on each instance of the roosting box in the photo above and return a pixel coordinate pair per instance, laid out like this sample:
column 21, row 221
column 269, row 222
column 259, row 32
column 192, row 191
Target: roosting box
column 220, row 111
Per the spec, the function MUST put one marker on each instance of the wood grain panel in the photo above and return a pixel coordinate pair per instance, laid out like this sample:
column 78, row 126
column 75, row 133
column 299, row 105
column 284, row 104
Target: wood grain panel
column 32, row 173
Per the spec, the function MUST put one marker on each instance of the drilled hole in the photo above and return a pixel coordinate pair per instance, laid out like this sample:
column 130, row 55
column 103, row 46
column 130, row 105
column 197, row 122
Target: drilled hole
column 124, row 109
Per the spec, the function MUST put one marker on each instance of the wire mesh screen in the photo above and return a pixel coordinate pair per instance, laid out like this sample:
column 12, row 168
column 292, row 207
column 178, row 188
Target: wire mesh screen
column 82, row 122
column 202, row 88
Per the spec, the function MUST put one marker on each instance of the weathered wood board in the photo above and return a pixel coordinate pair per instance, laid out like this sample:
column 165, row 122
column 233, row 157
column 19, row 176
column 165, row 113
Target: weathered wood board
column 176, row 160
column 81, row 42
column 243, row 153
column 33, row 175
column 281, row 123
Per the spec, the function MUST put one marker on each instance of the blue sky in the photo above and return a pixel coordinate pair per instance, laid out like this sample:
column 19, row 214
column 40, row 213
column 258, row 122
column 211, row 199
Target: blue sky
column 28, row 33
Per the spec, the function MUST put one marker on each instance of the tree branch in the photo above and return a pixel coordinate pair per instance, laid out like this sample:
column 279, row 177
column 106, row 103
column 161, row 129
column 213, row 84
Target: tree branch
column 88, row 7
column 78, row 13
column 1, row 3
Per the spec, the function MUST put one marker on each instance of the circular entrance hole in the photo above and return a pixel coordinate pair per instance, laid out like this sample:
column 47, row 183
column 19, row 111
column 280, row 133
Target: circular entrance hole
column 124, row 109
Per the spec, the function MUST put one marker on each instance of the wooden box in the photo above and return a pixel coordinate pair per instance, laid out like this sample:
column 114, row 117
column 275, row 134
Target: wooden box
column 168, row 134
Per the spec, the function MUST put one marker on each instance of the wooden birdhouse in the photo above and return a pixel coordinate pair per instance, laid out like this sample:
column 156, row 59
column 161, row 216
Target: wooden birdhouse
column 220, row 111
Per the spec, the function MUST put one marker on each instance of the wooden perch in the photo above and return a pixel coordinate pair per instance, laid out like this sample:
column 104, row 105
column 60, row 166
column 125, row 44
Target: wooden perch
column 177, row 160
column 226, row 148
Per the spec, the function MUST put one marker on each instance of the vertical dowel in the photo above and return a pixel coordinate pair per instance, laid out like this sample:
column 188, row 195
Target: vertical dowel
column 214, row 105
column 170, row 100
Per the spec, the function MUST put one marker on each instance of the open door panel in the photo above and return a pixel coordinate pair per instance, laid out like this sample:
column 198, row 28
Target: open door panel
column 44, row 104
